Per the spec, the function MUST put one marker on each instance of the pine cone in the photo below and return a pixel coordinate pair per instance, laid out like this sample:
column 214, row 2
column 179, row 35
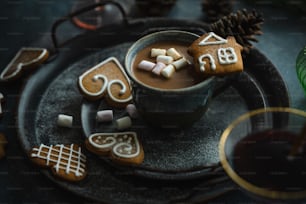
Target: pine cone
column 154, row 7
column 243, row 25
column 216, row 9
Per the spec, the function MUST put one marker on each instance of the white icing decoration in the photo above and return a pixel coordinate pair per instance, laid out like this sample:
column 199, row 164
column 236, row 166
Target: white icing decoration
column 69, row 159
column 219, row 40
column 227, row 55
column 120, row 141
column 72, row 161
column 107, row 142
column 203, row 63
column 106, row 83
column 48, row 155
column 94, row 79
column 59, row 158
column 122, row 91
column 124, row 147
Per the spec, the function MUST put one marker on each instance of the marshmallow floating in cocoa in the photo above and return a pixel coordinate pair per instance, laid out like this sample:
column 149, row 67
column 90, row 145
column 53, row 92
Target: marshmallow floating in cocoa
column 146, row 65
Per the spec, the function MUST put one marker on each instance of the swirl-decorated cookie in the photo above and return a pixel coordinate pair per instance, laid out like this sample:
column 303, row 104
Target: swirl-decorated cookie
column 106, row 79
column 214, row 55
column 66, row 161
column 26, row 58
column 123, row 147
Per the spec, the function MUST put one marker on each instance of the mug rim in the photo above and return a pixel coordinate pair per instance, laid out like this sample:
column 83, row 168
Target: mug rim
column 243, row 183
column 135, row 80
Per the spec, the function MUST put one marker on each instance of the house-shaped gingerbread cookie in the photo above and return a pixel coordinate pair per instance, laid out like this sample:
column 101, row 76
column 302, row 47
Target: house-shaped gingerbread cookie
column 214, row 55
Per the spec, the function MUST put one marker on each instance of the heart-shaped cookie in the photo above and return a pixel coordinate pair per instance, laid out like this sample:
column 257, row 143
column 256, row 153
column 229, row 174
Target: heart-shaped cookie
column 123, row 147
column 106, row 78
column 26, row 58
column 65, row 161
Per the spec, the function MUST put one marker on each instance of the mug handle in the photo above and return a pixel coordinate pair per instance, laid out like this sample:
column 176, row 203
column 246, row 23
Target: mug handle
column 222, row 83
column 239, row 81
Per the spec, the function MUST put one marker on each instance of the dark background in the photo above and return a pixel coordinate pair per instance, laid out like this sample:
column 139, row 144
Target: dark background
column 28, row 23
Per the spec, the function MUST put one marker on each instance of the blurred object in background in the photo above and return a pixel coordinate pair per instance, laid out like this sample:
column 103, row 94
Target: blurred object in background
column 154, row 7
column 244, row 25
column 216, row 9
column 293, row 5
column 101, row 15
column 301, row 68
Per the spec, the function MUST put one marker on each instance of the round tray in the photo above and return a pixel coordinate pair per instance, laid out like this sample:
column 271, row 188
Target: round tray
column 176, row 155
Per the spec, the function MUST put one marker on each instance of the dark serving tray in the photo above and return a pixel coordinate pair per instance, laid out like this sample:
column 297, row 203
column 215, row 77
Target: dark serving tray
column 177, row 162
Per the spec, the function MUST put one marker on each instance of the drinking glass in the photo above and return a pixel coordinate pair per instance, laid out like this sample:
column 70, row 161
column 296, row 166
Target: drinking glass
column 263, row 152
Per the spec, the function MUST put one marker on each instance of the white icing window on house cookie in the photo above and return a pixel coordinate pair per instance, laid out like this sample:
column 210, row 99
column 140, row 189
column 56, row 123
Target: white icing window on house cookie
column 227, row 55
column 202, row 62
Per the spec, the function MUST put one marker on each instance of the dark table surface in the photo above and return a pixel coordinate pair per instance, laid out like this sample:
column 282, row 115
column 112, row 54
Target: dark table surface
column 28, row 23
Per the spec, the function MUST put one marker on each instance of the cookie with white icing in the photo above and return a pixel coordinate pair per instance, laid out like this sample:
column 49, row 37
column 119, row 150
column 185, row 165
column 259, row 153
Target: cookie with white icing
column 108, row 79
column 214, row 55
column 26, row 58
column 66, row 161
column 122, row 147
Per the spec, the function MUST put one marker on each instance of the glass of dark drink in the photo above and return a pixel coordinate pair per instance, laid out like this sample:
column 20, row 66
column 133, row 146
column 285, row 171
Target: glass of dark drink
column 264, row 153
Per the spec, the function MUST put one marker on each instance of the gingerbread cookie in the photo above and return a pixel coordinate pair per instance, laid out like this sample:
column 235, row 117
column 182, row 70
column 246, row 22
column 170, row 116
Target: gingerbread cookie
column 123, row 147
column 66, row 161
column 107, row 78
column 214, row 55
column 26, row 58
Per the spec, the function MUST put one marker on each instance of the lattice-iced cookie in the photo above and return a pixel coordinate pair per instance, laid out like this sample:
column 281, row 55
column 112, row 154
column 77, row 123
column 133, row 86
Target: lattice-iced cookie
column 106, row 79
column 214, row 55
column 123, row 147
column 26, row 58
column 65, row 161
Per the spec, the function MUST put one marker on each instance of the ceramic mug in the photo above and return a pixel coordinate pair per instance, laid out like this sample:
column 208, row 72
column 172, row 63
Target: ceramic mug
column 168, row 107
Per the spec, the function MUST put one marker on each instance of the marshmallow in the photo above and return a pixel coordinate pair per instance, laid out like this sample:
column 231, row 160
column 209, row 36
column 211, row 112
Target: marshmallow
column 105, row 116
column 146, row 65
column 132, row 111
column 158, row 68
column 174, row 53
column 123, row 123
column 164, row 59
column 156, row 51
column 178, row 64
column 168, row 71
column 64, row 120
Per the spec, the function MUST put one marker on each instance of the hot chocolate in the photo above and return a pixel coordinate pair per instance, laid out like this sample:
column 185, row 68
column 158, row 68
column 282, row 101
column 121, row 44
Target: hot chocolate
column 167, row 91
column 181, row 78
